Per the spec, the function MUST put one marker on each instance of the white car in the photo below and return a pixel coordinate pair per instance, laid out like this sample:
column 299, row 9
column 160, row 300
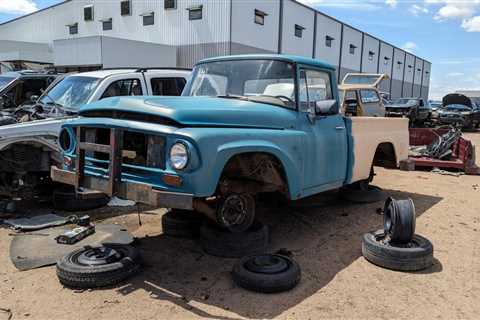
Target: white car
column 28, row 149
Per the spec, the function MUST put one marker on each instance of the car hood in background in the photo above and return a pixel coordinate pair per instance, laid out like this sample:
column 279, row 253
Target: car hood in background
column 456, row 98
column 198, row 111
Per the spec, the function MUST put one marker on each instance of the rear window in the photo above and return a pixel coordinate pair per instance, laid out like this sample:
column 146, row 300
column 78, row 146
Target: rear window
column 5, row 81
column 167, row 86
column 369, row 96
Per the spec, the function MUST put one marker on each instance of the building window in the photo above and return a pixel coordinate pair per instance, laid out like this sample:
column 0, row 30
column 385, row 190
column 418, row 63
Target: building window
column 386, row 60
column 260, row 17
column 73, row 28
column 148, row 18
column 328, row 41
column 195, row 13
column 169, row 4
column 126, row 8
column 88, row 13
column 107, row 24
column 299, row 31
column 371, row 54
column 410, row 68
column 419, row 70
column 399, row 64
column 352, row 49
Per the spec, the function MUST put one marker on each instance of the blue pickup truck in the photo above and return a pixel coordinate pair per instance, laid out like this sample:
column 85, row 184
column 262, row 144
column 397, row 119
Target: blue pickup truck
column 244, row 125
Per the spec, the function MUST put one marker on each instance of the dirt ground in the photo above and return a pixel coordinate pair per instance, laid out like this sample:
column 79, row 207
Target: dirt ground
column 181, row 282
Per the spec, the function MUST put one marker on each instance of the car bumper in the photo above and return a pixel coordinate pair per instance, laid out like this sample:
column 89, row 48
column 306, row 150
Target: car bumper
column 128, row 190
column 396, row 114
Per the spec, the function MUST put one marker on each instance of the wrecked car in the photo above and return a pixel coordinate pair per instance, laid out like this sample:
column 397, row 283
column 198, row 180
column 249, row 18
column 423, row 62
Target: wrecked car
column 225, row 141
column 359, row 95
column 459, row 110
column 414, row 109
column 28, row 149
column 19, row 90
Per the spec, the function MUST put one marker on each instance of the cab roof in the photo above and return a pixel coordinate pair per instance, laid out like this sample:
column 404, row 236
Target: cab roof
column 282, row 57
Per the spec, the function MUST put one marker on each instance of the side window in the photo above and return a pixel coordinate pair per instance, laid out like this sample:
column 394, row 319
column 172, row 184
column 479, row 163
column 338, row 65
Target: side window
column 314, row 86
column 127, row 87
column 167, row 86
column 369, row 96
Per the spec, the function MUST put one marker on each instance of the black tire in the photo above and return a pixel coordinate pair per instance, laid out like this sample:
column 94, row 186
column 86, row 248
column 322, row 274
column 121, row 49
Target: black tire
column 182, row 223
column 399, row 220
column 66, row 200
column 416, row 255
column 279, row 274
column 222, row 243
column 74, row 274
column 372, row 194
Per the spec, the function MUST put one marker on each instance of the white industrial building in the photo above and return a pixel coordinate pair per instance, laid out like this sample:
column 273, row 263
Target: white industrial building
column 91, row 34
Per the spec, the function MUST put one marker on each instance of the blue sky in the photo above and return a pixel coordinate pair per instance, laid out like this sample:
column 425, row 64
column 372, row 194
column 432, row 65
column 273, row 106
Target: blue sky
column 445, row 32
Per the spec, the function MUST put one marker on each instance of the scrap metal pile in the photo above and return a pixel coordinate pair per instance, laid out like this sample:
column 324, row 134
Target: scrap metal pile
column 441, row 147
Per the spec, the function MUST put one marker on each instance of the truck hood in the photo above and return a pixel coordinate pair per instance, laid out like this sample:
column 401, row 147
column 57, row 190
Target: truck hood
column 457, row 98
column 197, row 111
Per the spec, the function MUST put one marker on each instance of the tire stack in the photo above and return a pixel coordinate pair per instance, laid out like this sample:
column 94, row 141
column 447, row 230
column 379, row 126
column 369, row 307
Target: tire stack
column 396, row 246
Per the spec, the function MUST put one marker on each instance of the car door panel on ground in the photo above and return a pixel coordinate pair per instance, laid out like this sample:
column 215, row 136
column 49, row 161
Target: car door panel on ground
column 327, row 141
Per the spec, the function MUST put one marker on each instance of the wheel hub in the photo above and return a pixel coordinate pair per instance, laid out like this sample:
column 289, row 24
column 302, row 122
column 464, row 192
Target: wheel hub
column 267, row 264
column 233, row 211
column 99, row 256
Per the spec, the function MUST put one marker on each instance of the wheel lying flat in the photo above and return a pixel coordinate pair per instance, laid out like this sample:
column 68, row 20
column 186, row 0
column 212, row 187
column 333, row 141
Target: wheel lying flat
column 266, row 273
column 413, row 256
column 182, row 223
column 91, row 267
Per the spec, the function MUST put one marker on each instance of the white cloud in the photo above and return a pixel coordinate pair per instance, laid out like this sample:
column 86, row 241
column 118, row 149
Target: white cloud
column 416, row 10
column 410, row 46
column 472, row 25
column 17, row 6
column 391, row 3
column 454, row 9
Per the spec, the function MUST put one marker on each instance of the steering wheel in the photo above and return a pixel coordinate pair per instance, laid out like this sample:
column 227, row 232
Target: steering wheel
column 281, row 97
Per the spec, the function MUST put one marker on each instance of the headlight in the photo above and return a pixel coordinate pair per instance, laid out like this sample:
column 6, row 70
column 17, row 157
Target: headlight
column 65, row 140
column 179, row 156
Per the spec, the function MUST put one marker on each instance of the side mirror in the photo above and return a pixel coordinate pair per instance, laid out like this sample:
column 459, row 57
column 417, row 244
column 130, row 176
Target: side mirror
column 33, row 98
column 325, row 107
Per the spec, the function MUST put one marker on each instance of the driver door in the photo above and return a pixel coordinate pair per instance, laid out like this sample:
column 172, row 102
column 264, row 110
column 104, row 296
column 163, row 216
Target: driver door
column 326, row 135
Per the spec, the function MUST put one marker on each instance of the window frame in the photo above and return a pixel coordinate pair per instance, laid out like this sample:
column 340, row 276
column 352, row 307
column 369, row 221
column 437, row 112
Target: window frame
column 195, row 9
column 306, row 68
column 73, row 26
column 170, row 1
column 352, row 48
column 329, row 41
column 360, row 93
column 105, row 22
column 88, row 7
column 122, row 80
column 261, row 14
column 146, row 16
column 298, row 31
column 129, row 8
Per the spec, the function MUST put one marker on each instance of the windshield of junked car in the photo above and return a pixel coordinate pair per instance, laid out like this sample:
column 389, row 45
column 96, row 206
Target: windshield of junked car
column 71, row 93
column 5, row 81
column 250, row 79
column 405, row 101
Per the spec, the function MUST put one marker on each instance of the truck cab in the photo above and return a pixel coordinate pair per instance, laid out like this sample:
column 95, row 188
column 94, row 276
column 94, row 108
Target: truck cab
column 244, row 125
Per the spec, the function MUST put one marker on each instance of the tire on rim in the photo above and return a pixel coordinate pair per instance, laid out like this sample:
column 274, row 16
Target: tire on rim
column 236, row 212
column 182, row 223
column 222, row 243
column 92, row 267
column 413, row 256
column 267, row 273
column 399, row 220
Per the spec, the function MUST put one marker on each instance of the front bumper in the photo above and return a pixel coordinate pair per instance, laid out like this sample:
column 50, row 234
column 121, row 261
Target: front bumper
column 396, row 114
column 128, row 190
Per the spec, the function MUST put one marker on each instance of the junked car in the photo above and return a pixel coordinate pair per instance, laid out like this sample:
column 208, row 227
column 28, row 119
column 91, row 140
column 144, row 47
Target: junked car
column 227, row 139
column 29, row 149
column 20, row 89
column 459, row 110
column 359, row 95
column 415, row 109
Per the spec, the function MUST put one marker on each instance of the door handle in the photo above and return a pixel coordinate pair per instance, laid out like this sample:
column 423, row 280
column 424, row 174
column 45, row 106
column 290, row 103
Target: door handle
column 339, row 128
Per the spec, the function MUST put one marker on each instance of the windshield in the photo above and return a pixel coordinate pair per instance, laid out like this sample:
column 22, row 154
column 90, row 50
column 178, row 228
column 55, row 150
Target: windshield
column 404, row 101
column 4, row 81
column 71, row 92
column 266, row 81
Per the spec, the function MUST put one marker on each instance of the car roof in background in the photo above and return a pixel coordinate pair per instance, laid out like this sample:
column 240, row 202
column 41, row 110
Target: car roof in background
column 100, row 74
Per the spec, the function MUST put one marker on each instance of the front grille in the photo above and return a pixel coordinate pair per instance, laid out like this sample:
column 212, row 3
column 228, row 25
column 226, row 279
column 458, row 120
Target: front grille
column 139, row 150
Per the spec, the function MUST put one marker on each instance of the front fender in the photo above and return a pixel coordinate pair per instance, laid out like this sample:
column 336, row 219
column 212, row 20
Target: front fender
column 228, row 150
